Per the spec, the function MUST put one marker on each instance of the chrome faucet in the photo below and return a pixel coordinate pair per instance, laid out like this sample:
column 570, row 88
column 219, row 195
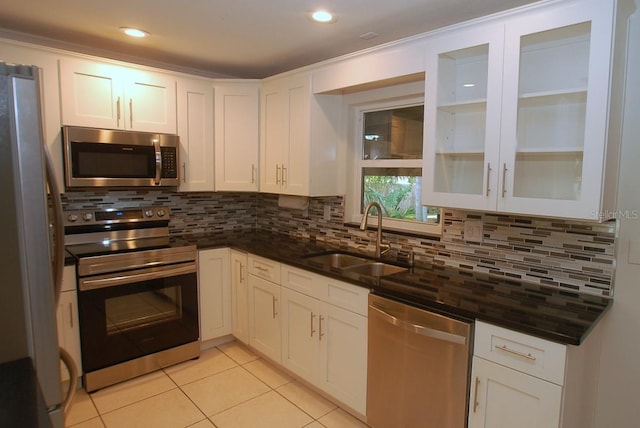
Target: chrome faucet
column 363, row 226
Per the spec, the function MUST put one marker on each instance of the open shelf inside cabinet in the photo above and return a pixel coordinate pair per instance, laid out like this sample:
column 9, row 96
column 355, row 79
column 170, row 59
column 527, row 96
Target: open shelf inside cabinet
column 459, row 173
column 548, row 175
column 552, row 122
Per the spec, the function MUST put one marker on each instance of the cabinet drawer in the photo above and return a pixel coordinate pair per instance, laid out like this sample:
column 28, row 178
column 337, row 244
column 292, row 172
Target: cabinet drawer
column 264, row 268
column 302, row 281
column 346, row 296
column 538, row 357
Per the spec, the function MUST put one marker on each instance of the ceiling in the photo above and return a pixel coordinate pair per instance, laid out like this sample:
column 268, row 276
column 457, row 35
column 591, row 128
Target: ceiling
column 238, row 38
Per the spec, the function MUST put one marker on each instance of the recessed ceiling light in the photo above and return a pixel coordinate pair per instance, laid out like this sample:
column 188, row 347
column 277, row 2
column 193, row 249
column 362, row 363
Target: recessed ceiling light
column 134, row 32
column 322, row 16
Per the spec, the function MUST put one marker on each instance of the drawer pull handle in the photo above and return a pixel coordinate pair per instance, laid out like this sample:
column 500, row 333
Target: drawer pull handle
column 312, row 330
column 261, row 269
column 514, row 352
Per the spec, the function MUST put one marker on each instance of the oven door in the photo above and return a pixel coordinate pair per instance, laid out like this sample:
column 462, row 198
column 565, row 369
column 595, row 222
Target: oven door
column 130, row 314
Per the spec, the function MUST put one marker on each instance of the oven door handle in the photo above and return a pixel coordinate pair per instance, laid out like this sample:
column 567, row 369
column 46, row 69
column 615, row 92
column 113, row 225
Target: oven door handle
column 86, row 284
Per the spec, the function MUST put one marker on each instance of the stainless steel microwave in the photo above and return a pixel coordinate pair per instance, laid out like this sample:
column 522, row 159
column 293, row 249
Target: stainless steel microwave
column 110, row 158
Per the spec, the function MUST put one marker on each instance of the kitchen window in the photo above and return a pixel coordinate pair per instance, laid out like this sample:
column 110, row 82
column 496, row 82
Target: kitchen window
column 386, row 165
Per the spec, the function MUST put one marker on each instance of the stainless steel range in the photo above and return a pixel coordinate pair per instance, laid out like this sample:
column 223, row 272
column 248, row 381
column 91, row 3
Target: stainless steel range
column 137, row 293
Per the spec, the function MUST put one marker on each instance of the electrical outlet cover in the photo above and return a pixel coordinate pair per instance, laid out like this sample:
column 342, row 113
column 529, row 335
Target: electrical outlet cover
column 473, row 230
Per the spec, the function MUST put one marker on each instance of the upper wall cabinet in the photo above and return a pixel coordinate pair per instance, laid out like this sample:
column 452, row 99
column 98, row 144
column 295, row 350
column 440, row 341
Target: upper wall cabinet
column 195, row 128
column 516, row 113
column 237, row 135
column 299, row 138
column 102, row 95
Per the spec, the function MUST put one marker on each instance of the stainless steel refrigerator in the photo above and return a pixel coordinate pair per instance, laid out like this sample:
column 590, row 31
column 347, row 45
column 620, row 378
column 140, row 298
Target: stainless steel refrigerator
column 31, row 252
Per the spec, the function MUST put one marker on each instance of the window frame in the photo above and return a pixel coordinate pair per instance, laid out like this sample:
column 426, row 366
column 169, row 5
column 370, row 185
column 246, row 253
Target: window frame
column 357, row 105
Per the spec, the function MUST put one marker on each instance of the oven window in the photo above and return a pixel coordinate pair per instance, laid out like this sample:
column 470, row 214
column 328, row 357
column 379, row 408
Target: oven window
column 142, row 309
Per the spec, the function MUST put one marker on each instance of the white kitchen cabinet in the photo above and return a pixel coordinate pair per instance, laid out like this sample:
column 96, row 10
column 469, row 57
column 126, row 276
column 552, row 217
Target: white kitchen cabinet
column 240, row 296
column 506, row 398
column 237, row 139
column 526, row 381
column 516, row 380
column 324, row 334
column 264, row 307
column 103, row 95
column 299, row 135
column 516, row 113
column 214, row 291
column 301, row 317
column 195, row 128
column 67, row 320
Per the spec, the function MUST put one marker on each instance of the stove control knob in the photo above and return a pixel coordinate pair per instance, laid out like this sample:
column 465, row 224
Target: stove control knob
column 148, row 213
column 73, row 217
column 87, row 216
column 160, row 213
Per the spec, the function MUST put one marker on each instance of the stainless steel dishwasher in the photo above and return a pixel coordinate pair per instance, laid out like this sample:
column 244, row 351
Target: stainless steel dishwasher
column 418, row 367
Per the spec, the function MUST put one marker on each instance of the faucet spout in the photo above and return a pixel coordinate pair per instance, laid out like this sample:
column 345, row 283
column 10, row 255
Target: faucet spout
column 363, row 226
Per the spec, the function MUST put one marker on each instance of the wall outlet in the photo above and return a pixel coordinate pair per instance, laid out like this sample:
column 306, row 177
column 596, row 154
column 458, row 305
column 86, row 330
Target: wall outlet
column 473, row 230
column 327, row 212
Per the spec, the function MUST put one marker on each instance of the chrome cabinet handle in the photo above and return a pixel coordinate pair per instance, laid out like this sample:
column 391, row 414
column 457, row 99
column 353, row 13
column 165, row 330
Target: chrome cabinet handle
column 70, row 315
column 118, row 111
column 253, row 173
column 320, row 334
column 475, row 395
column 284, row 175
column 241, row 277
column 488, row 176
column 184, row 171
column 504, row 179
column 131, row 112
column 312, row 330
column 504, row 348
column 274, row 300
column 277, row 174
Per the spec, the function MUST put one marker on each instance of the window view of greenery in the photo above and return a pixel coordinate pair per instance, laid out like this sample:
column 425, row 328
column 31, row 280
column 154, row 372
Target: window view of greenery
column 397, row 190
column 391, row 164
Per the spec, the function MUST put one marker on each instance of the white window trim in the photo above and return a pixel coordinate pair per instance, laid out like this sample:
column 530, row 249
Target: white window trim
column 355, row 106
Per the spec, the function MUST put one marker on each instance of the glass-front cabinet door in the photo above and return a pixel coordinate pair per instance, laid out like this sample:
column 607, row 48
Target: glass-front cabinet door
column 554, row 112
column 516, row 113
column 462, row 119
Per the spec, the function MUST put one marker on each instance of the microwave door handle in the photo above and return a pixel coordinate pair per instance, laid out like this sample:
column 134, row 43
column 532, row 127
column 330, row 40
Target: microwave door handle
column 156, row 144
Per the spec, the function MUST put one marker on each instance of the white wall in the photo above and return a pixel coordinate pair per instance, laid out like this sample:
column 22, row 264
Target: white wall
column 618, row 402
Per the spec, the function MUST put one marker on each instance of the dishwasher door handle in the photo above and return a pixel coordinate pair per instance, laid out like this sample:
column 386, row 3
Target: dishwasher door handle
column 420, row 329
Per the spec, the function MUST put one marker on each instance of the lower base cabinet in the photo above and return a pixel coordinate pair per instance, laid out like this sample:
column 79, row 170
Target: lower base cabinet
column 67, row 320
column 264, row 317
column 323, row 343
column 518, row 380
column 214, row 290
column 239, row 296
column 506, row 398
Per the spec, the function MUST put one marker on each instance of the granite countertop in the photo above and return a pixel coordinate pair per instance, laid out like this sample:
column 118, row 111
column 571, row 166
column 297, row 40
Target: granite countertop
column 550, row 313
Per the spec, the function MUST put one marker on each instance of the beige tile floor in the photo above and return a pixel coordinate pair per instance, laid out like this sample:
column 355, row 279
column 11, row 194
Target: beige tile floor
column 227, row 387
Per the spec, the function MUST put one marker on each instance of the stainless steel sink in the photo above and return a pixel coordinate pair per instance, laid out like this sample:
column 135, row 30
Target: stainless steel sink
column 337, row 260
column 356, row 264
column 375, row 269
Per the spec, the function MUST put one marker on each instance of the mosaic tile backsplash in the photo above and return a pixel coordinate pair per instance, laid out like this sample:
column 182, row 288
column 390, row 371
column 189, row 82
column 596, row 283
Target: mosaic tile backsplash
column 577, row 256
